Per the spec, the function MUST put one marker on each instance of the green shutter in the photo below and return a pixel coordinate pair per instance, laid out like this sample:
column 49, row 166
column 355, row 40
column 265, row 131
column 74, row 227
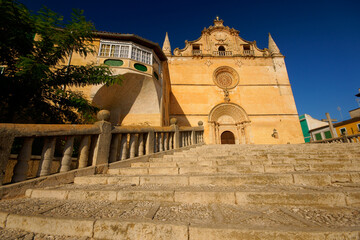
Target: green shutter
column 327, row 134
column 318, row 136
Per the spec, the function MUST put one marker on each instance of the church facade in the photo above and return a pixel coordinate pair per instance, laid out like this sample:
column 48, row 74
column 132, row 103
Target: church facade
column 239, row 92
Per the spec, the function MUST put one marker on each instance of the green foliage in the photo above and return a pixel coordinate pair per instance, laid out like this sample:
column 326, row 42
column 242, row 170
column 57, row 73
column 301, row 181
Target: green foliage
column 35, row 83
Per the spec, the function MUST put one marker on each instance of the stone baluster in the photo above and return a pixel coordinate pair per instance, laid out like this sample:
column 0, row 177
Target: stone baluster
column 22, row 165
column 149, row 143
column 166, row 141
column 84, row 151
column 114, row 148
column 123, row 146
column 156, row 142
column 161, row 142
column 193, row 137
column 47, row 157
column 141, row 144
column 171, row 140
column 183, row 137
column 132, row 145
column 68, row 151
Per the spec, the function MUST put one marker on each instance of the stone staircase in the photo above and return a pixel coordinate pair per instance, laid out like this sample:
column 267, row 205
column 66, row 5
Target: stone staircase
column 307, row 191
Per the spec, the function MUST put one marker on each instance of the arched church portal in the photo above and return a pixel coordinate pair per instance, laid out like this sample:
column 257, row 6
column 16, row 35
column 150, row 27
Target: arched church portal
column 229, row 122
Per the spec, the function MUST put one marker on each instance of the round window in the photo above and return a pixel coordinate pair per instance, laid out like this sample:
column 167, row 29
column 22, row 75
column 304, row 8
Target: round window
column 226, row 77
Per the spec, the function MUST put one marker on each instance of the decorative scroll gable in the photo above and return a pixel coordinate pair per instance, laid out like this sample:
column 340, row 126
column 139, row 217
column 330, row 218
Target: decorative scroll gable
column 220, row 41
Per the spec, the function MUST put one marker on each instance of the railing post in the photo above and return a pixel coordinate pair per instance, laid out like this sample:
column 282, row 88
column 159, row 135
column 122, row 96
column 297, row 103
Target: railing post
column 161, row 142
column 6, row 141
column 102, row 148
column 150, row 143
column 166, row 141
column 193, row 137
column 141, row 144
column 177, row 139
column 47, row 157
column 22, row 165
column 84, row 151
column 132, row 145
column 66, row 159
column 123, row 146
column 114, row 148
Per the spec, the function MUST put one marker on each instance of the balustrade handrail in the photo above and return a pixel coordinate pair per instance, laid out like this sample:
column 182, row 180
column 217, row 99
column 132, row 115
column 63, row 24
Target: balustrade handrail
column 42, row 130
column 190, row 129
column 97, row 144
column 140, row 129
column 342, row 139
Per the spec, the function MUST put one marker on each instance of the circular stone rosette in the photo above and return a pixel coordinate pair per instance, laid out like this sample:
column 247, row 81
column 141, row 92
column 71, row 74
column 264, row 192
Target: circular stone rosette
column 226, row 77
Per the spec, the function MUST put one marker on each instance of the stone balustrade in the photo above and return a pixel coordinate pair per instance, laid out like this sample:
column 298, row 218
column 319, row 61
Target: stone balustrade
column 249, row 53
column 197, row 52
column 343, row 139
column 95, row 145
column 222, row 53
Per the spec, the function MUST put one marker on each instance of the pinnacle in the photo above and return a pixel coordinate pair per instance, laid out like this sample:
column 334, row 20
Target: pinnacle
column 273, row 48
column 166, row 46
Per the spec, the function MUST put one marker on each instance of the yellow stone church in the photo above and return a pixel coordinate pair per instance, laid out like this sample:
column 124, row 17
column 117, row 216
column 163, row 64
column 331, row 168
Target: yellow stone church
column 239, row 92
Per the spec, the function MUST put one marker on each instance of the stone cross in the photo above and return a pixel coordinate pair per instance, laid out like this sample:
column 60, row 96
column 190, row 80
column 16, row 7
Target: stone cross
column 328, row 119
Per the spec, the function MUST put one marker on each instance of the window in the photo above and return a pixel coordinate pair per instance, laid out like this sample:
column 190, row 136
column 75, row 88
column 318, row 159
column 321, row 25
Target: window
column 196, row 47
column 327, row 135
column 222, row 48
column 2, row 70
column 343, row 131
column 358, row 126
column 318, row 136
column 246, row 47
column 123, row 51
column 105, row 50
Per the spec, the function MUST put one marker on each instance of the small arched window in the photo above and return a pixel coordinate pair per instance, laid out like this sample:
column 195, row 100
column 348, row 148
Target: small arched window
column 222, row 48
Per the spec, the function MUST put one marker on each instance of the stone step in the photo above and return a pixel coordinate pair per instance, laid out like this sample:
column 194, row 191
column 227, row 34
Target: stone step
column 299, row 178
column 69, row 219
column 242, row 196
column 172, row 158
column 238, row 168
column 266, row 155
column 159, row 162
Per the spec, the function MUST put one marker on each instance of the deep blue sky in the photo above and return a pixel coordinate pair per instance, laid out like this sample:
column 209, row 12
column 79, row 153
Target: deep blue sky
column 320, row 39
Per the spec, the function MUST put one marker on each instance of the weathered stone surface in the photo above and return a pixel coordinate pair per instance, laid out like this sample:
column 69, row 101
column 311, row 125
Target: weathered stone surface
column 205, row 197
column 145, row 195
column 105, row 229
column 202, row 233
column 3, row 217
column 291, row 198
column 48, row 225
